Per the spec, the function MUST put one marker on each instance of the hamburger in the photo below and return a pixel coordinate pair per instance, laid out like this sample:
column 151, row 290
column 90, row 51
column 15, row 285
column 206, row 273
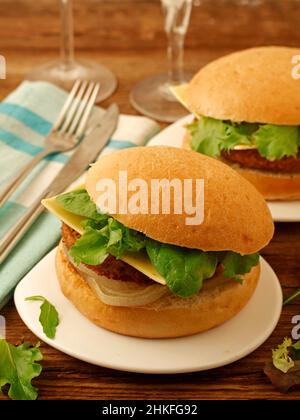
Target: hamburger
column 154, row 275
column 247, row 114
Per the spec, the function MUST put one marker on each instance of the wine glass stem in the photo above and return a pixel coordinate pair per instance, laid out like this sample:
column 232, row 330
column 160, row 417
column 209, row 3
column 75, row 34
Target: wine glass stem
column 175, row 57
column 67, row 32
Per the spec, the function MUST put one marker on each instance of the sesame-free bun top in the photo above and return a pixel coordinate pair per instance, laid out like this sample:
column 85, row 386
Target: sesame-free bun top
column 236, row 217
column 253, row 85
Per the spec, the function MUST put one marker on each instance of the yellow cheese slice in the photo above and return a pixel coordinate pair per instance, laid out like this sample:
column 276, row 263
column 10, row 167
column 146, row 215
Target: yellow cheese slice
column 140, row 261
column 178, row 92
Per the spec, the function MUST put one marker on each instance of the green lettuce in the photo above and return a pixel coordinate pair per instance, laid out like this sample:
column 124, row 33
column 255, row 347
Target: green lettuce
column 281, row 356
column 284, row 368
column 18, row 366
column 275, row 142
column 79, row 202
column 183, row 269
column 236, row 264
column 211, row 136
column 100, row 240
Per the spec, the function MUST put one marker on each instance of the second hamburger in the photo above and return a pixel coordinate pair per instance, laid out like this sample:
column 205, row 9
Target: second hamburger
column 247, row 108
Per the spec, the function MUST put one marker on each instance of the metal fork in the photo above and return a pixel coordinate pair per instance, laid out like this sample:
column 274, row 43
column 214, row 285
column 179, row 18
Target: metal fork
column 66, row 132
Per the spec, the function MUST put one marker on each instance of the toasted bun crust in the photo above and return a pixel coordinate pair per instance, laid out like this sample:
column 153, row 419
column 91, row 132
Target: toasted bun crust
column 254, row 85
column 271, row 185
column 236, row 217
column 219, row 300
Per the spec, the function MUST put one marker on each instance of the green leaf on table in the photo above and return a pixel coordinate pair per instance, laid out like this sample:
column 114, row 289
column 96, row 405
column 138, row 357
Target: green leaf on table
column 281, row 356
column 17, row 369
column 284, row 369
column 49, row 318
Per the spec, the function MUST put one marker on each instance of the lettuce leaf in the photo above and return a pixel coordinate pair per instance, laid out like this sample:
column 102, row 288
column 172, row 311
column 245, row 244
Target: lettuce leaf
column 236, row 264
column 79, row 202
column 281, row 357
column 98, row 241
column 275, row 142
column 210, row 137
column 284, row 369
column 183, row 269
column 18, row 367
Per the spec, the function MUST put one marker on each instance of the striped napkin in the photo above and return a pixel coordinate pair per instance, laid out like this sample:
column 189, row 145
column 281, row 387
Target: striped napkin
column 26, row 117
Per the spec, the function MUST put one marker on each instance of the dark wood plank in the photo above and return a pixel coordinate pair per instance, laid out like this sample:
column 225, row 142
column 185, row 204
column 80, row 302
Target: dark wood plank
column 128, row 37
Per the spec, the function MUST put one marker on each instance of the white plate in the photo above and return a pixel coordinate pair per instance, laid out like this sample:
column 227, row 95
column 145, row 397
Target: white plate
column 283, row 211
column 79, row 338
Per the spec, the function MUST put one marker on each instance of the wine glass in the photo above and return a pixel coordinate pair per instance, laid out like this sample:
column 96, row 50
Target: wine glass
column 152, row 96
column 65, row 71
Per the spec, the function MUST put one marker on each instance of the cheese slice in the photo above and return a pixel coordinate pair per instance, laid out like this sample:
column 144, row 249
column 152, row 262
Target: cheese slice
column 178, row 92
column 140, row 261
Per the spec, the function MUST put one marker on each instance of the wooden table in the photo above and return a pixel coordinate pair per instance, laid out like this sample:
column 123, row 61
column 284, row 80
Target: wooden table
column 128, row 37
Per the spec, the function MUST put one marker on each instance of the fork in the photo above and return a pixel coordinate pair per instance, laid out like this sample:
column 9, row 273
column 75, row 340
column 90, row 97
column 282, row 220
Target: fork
column 66, row 132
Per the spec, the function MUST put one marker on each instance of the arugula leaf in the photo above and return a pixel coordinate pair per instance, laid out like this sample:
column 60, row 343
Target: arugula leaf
column 79, row 202
column 18, row 367
column 291, row 297
column 183, row 269
column 210, row 137
column 275, row 141
column 235, row 264
column 49, row 318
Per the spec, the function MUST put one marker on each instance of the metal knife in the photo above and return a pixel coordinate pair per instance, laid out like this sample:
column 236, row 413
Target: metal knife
column 86, row 153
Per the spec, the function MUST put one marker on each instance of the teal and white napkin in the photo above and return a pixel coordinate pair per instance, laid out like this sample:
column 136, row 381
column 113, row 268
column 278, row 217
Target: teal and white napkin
column 26, row 117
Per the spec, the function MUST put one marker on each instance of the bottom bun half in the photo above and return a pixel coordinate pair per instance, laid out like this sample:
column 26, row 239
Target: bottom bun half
column 271, row 185
column 219, row 300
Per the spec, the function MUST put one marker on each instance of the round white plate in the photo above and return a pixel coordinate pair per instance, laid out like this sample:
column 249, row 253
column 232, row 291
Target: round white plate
column 282, row 211
column 79, row 338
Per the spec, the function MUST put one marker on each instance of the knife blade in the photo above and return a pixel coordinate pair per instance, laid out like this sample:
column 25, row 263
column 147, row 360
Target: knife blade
column 86, row 153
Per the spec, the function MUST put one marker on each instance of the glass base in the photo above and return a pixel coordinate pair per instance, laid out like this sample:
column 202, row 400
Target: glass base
column 64, row 75
column 152, row 97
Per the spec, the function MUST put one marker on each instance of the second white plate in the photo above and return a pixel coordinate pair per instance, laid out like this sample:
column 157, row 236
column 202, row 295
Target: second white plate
column 282, row 211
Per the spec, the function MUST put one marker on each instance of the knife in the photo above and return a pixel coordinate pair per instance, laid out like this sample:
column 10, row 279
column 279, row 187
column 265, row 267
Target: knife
column 86, row 153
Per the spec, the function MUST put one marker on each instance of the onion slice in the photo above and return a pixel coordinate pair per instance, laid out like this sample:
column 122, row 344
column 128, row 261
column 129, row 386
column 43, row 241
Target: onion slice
column 117, row 292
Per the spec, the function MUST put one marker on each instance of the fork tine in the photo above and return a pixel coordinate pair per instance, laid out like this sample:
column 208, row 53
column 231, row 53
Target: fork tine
column 73, row 107
column 87, row 112
column 81, row 108
column 66, row 105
